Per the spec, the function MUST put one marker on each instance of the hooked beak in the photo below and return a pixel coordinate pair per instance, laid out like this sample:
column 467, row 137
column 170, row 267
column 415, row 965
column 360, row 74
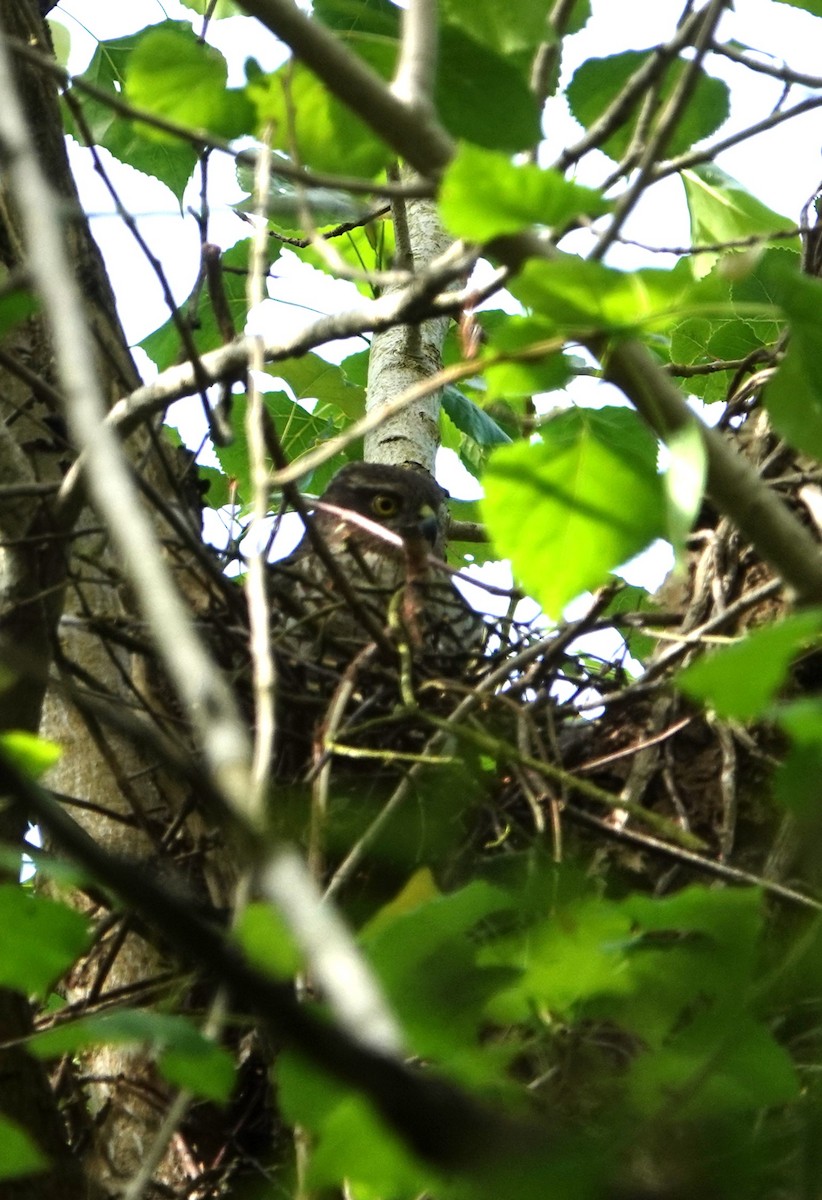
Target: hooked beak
column 429, row 525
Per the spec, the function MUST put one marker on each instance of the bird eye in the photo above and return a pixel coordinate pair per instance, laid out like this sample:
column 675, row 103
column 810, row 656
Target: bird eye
column 384, row 506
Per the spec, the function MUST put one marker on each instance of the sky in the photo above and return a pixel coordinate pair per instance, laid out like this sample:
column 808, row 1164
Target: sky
column 782, row 168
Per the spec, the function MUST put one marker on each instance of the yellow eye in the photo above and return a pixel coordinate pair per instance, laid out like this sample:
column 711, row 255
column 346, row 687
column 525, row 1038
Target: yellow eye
column 384, row 506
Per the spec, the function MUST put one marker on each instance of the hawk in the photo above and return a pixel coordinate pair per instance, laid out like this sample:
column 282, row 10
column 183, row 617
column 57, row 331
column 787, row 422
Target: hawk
column 380, row 592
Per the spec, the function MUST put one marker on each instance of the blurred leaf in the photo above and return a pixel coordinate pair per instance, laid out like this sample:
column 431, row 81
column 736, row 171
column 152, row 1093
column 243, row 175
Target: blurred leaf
column 796, row 779
column 579, row 294
column 714, row 1065
column 426, row 962
column 684, row 482
column 217, row 11
column 420, row 889
column 483, row 195
column 598, row 82
column 740, row 681
column 202, row 1068
column 16, row 306
column 568, row 510
column 19, row 1154
column 285, row 205
column 39, row 939
column 32, row 754
column 562, row 961
column 267, row 941
column 350, row 1142
column 482, row 97
column 511, row 29
column 172, row 74
column 186, row 1056
column 794, row 395
column 525, row 376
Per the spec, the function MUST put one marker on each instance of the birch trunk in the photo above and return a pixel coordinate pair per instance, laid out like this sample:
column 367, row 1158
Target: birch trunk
column 409, row 354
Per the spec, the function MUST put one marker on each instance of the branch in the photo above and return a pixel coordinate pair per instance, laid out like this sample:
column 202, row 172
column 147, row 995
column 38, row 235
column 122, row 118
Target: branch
column 420, row 139
column 228, row 362
column 441, row 1123
column 222, row 733
column 417, row 66
column 733, row 484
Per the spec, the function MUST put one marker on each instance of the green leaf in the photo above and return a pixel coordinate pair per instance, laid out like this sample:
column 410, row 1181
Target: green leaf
column 60, row 41
column 794, row 395
column 267, row 941
column 350, row 1143
column 510, row 29
column 714, row 1066
column 740, row 681
column 796, row 782
column 312, row 125
column 526, row 375
column 426, row 962
column 298, row 429
column 796, row 779
column 722, row 211
column 568, row 510
column 19, row 1154
column 186, row 1056
column 39, row 939
column 201, row 1067
column 578, row 294
column 361, row 16
column 216, row 11
column 484, row 195
column 482, row 97
column 598, row 82
column 164, row 345
column 312, row 377
column 471, row 419
column 175, row 75
column 563, row 962
column 16, row 306
column 635, row 600
column 32, row 754
column 170, row 162
column 811, row 6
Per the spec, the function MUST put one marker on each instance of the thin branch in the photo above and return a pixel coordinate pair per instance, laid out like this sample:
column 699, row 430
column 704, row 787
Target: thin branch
column 227, row 362
column 440, row 1122
column 203, row 139
column 785, row 73
column 666, row 124
column 620, row 109
column 201, row 687
column 418, row 138
column 262, row 659
column 413, row 81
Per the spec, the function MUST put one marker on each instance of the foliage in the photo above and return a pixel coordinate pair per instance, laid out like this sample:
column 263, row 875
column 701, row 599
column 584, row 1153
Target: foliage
column 644, row 1031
